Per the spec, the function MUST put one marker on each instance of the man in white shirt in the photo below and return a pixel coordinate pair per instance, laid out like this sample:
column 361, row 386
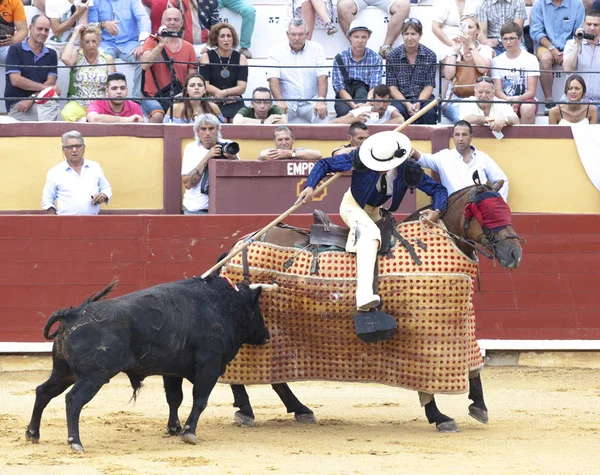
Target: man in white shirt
column 456, row 167
column 208, row 145
column 309, row 81
column 77, row 186
column 495, row 115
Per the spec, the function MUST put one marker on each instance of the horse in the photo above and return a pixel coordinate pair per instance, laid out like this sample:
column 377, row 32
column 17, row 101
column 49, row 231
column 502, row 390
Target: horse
column 470, row 236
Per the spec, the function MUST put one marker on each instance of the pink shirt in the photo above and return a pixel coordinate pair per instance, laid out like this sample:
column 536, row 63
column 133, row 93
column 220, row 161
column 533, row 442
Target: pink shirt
column 103, row 107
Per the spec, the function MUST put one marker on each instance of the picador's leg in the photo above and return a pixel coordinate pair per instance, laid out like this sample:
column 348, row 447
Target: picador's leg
column 245, row 416
column 442, row 421
column 174, row 395
column 478, row 410
column 302, row 413
column 366, row 255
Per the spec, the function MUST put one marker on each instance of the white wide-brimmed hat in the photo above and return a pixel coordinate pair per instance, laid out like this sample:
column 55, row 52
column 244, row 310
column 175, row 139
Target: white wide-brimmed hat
column 385, row 150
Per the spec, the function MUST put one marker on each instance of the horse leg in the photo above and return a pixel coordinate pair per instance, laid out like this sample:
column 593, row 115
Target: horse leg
column 302, row 413
column 478, row 410
column 245, row 416
column 443, row 423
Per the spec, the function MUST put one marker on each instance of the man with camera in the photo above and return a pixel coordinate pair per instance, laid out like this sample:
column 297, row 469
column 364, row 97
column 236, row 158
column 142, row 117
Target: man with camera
column 552, row 24
column 582, row 53
column 208, row 145
column 161, row 48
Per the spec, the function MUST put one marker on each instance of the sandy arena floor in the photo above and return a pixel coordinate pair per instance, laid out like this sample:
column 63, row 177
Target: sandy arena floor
column 542, row 420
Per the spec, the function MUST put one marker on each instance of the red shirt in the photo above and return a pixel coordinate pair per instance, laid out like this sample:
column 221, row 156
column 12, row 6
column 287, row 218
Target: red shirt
column 103, row 107
column 161, row 70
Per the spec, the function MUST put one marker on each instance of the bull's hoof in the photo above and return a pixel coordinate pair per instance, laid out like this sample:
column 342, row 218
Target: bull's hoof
column 448, row 426
column 307, row 418
column 76, row 447
column 479, row 414
column 189, row 438
column 243, row 420
column 31, row 437
column 174, row 430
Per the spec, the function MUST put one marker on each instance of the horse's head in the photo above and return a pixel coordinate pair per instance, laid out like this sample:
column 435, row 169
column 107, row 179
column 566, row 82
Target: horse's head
column 488, row 222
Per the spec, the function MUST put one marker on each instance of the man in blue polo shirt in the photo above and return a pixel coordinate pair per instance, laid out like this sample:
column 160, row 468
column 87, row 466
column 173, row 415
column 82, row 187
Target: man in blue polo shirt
column 24, row 81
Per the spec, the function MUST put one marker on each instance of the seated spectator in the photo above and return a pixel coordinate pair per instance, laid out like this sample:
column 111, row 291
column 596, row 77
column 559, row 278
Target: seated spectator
column 76, row 186
column 310, row 11
column 517, row 78
column 160, row 49
column 357, row 134
column 198, row 18
column 410, row 74
column 194, row 166
column 576, row 112
column 467, row 51
column 13, row 28
column 584, row 55
column 494, row 115
column 352, row 79
column 551, row 26
column 375, row 112
column 261, row 110
column 84, row 80
column 493, row 14
column 116, row 109
column 447, row 18
column 125, row 26
column 64, row 15
column 224, row 82
column 185, row 112
column 23, row 80
column 307, row 82
column 397, row 9
column 456, row 167
column 283, row 138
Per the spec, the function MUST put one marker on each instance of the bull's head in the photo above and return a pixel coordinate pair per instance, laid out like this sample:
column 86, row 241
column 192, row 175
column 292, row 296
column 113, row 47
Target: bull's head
column 258, row 334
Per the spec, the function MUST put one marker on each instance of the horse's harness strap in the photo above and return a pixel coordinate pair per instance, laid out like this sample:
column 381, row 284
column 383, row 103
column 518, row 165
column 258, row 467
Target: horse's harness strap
column 245, row 266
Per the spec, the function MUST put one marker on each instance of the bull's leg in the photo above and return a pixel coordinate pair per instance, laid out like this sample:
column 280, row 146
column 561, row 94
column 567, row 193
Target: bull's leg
column 443, row 423
column 61, row 378
column 245, row 416
column 174, row 395
column 478, row 410
column 302, row 413
column 76, row 398
column 204, row 382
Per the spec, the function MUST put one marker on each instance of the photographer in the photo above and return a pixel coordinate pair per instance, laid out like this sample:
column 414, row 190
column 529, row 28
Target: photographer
column 166, row 45
column 194, row 168
column 582, row 53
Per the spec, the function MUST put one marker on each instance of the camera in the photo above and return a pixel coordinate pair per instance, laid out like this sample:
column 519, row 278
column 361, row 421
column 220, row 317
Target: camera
column 169, row 34
column 229, row 148
column 584, row 36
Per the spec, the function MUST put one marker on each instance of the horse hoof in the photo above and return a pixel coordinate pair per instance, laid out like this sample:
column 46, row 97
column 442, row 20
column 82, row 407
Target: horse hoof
column 479, row 414
column 76, row 448
column 243, row 420
column 306, row 418
column 31, row 437
column 448, row 426
column 189, row 438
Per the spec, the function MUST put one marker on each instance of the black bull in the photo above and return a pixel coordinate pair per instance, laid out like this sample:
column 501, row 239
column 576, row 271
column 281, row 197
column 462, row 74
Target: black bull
column 188, row 329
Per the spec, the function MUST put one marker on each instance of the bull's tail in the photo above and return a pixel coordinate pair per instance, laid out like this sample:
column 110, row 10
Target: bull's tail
column 55, row 317
column 103, row 293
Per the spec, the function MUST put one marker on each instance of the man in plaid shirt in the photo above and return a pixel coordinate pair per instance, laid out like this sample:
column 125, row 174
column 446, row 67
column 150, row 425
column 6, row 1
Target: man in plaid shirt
column 410, row 74
column 355, row 59
column 493, row 14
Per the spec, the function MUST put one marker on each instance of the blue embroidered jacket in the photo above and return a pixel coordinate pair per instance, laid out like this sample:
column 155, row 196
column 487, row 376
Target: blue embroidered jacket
column 364, row 182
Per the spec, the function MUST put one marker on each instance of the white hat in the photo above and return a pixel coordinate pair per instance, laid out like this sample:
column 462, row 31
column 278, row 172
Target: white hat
column 385, row 150
column 357, row 25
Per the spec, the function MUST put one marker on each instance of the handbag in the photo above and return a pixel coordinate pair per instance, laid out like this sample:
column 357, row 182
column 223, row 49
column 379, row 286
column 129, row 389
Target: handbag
column 464, row 80
column 355, row 87
column 165, row 95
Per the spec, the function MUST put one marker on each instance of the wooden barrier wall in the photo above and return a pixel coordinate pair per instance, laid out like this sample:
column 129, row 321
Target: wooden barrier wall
column 49, row 262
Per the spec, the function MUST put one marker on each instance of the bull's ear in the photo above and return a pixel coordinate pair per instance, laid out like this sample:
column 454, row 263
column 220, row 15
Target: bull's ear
column 497, row 185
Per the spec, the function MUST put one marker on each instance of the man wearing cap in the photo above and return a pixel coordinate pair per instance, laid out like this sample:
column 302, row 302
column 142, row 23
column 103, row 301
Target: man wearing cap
column 379, row 172
column 356, row 70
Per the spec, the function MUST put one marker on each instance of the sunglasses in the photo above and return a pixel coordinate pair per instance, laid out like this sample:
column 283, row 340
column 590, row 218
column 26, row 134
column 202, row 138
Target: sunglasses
column 415, row 21
column 484, row 78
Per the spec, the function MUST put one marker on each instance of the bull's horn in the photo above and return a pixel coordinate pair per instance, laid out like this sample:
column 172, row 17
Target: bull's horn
column 265, row 287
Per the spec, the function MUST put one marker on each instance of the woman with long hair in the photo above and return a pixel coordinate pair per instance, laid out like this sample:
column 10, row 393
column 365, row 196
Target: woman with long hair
column 185, row 112
column 575, row 112
column 90, row 67
column 225, row 69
